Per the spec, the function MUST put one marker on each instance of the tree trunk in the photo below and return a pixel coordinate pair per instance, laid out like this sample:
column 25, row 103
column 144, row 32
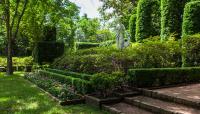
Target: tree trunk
column 9, row 42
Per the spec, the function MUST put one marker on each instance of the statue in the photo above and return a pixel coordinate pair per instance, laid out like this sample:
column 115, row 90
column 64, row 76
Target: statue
column 121, row 34
column 79, row 35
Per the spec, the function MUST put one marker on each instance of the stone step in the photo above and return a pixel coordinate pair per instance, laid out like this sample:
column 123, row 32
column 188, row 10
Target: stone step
column 124, row 108
column 160, row 106
column 191, row 100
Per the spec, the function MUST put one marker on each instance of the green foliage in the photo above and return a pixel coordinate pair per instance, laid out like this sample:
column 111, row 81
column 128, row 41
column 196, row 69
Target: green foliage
column 72, row 74
column 132, row 26
column 171, row 17
column 17, row 61
column 191, row 17
column 163, row 76
column 191, row 52
column 86, row 45
column 81, row 86
column 105, row 83
column 152, row 53
column 47, row 51
column 148, row 19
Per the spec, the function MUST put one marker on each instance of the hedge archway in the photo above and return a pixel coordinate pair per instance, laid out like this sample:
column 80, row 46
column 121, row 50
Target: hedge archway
column 148, row 19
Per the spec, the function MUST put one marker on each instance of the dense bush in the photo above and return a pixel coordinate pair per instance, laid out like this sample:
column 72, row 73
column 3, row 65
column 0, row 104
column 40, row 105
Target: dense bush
column 72, row 74
column 47, row 51
column 171, row 17
column 191, row 50
column 191, row 17
column 149, row 54
column 106, row 83
column 81, row 86
column 148, row 19
column 86, row 45
column 132, row 26
column 163, row 76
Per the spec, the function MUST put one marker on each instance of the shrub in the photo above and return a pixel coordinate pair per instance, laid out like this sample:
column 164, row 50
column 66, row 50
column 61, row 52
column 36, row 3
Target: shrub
column 149, row 54
column 104, row 83
column 72, row 74
column 191, row 17
column 47, row 51
column 132, row 26
column 148, row 19
column 163, row 76
column 171, row 17
column 81, row 86
column 191, row 51
column 86, row 45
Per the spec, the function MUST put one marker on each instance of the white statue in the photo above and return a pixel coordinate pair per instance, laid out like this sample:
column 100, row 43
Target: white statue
column 121, row 34
column 79, row 35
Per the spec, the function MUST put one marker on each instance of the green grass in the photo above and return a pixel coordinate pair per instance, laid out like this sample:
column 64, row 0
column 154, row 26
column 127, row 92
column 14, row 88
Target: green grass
column 18, row 96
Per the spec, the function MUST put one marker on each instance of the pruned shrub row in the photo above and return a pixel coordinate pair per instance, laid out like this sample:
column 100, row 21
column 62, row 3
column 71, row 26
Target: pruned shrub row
column 81, row 86
column 69, row 73
column 86, row 45
column 155, row 77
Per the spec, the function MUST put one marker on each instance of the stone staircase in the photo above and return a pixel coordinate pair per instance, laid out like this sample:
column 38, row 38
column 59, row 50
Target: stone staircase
column 153, row 102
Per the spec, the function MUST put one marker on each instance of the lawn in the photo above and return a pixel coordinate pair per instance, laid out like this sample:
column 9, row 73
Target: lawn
column 18, row 96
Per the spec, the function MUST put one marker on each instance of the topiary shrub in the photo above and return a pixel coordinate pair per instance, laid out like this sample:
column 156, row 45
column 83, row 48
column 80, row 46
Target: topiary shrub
column 191, row 17
column 132, row 27
column 148, row 19
column 47, row 51
column 171, row 17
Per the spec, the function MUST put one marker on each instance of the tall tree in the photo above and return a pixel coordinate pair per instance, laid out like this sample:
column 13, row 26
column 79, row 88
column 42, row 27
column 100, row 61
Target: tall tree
column 116, row 8
column 12, row 22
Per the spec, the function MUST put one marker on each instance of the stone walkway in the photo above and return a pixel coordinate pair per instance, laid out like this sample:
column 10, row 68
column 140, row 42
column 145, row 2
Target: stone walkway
column 189, row 92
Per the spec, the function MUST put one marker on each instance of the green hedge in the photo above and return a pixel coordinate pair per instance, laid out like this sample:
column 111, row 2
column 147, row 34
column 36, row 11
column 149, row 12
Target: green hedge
column 191, row 17
column 132, row 26
column 171, row 17
column 47, row 51
column 81, row 86
column 148, row 19
column 163, row 76
column 72, row 74
column 191, row 50
column 86, row 45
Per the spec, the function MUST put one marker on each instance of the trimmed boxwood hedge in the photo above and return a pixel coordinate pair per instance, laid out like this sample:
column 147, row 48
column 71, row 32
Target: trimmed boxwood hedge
column 148, row 19
column 69, row 73
column 155, row 77
column 191, row 24
column 81, row 86
column 86, row 45
column 171, row 17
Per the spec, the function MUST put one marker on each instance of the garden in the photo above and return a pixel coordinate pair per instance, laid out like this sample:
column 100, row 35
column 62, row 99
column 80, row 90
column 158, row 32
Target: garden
column 56, row 59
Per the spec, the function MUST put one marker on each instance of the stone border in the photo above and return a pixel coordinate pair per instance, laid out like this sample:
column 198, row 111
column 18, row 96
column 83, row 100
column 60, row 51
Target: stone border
column 91, row 100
